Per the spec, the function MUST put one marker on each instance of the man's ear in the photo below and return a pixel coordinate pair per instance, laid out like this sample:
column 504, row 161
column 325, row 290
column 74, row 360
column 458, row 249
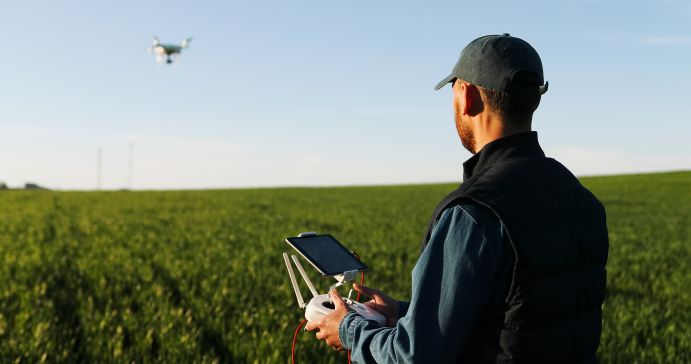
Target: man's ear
column 472, row 99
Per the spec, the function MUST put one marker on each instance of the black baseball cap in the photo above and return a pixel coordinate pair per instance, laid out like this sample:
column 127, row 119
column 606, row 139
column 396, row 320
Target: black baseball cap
column 500, row 63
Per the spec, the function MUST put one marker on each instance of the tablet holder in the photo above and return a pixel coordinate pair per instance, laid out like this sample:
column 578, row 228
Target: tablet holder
column 321, row 304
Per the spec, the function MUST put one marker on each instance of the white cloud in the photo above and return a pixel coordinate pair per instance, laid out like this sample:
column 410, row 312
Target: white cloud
column 597, row 161
column 190, row 144
column 63, row 158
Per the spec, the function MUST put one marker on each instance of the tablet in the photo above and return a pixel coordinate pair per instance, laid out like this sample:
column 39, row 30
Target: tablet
column 326, row 254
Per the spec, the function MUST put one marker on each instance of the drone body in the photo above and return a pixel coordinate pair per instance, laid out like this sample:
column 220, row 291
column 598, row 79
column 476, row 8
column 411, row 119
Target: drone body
column 167, row 52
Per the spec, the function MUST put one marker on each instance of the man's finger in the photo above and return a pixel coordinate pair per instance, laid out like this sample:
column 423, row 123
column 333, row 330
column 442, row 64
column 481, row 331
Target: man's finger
column 335, row 343
column 364, row 289
column 336, row 298
column 311, row 326
column 373, row 305
column 320, row 335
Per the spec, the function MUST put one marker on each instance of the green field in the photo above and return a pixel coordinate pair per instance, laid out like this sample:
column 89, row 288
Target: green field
column 197, row 276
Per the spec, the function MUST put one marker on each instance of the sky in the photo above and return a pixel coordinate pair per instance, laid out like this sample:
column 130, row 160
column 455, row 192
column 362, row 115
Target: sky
column 303, row 93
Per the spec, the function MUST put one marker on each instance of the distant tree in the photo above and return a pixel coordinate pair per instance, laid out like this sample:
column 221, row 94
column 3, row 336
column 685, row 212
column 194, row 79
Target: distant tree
column 33, row 186
column 3, row 186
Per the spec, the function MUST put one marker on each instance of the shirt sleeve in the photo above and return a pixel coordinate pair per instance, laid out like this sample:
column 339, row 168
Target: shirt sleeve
column 452, row 282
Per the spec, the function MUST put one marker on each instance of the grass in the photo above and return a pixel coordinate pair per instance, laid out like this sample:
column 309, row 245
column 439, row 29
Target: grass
column 197, row 276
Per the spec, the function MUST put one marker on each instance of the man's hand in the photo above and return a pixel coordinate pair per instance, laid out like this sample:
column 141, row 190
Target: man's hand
column 327, row 326
column 386, row 305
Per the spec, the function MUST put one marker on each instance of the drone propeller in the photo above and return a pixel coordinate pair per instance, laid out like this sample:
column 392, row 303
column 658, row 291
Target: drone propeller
column 185, row 43
column 156, row 42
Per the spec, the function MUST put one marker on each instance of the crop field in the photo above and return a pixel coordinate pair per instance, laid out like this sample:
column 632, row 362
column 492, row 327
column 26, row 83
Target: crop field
column 197, row 276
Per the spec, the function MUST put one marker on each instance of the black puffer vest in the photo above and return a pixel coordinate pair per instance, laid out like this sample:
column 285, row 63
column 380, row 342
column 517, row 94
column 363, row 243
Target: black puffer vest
column 558, row 233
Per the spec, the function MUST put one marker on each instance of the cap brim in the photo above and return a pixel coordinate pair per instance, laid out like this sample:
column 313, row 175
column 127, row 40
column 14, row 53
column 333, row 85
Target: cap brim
column 448, row 79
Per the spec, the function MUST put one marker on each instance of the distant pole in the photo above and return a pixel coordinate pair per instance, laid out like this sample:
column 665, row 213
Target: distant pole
column 98, row 170
column 130, row 164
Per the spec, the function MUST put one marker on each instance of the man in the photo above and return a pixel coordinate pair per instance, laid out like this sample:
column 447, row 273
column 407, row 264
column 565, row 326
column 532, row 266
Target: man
column 513, row 265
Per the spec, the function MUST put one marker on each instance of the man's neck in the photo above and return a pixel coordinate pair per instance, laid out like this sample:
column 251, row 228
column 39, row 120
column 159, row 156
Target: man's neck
column 491, row 127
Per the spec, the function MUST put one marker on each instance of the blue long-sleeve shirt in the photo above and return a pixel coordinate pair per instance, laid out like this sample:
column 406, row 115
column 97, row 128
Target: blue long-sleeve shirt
column 465, row 267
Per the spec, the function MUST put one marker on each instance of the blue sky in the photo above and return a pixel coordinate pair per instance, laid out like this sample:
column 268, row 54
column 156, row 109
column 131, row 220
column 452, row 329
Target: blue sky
column 275, row 93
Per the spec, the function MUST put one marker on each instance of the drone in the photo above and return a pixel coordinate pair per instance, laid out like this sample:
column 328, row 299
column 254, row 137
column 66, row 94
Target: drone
column 168, row 52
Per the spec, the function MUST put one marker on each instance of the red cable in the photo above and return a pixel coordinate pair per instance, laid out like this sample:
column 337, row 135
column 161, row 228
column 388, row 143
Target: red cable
column 295, row 336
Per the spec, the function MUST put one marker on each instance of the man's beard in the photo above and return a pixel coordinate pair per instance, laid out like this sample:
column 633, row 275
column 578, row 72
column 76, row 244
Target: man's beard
column 467, row 136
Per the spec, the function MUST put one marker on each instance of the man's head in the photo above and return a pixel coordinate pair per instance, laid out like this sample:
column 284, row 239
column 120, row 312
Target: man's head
column 497, row 83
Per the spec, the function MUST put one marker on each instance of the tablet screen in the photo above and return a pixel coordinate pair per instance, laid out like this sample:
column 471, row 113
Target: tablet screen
column 326, row 254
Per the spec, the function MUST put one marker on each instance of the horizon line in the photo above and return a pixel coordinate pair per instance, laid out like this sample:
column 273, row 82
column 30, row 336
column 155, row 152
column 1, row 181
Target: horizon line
column 354, row 185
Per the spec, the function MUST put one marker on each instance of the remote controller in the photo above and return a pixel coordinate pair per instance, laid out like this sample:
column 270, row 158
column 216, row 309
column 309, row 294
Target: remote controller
column 321, row 305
